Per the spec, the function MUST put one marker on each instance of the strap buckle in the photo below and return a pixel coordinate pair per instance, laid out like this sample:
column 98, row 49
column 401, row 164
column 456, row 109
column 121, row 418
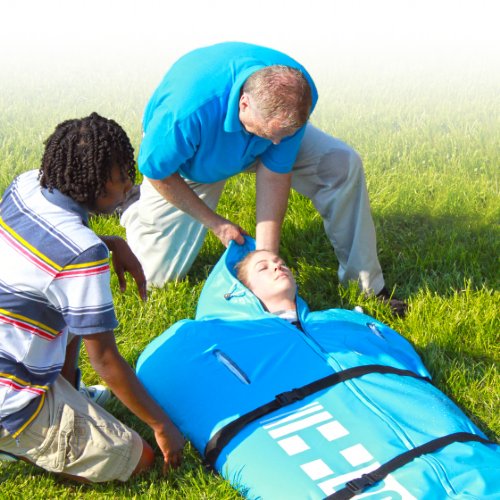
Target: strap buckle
column 359, row 484
column 289, row 397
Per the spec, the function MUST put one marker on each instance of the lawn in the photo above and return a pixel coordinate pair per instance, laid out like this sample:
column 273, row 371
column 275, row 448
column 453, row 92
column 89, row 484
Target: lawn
column 430, row 142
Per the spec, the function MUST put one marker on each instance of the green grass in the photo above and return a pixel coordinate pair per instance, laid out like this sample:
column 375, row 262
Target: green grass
column 431, row 151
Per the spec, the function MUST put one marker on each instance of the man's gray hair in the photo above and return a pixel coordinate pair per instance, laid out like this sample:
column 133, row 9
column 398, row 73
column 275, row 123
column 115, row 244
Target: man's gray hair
column 281, row 92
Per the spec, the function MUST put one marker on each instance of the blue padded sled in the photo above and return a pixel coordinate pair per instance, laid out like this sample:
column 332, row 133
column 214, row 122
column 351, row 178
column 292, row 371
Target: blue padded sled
column 342, row 408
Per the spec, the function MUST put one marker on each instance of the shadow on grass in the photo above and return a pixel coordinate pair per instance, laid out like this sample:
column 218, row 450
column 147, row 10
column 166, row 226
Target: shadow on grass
column 206, row 260
column 438, row 253
column 451, row 366
column 415, row 252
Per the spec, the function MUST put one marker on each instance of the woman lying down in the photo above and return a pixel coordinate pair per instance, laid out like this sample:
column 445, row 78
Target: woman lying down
column 289, row 403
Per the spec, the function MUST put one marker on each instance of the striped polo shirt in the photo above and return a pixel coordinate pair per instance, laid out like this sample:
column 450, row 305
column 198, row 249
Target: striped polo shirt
column 54, row 278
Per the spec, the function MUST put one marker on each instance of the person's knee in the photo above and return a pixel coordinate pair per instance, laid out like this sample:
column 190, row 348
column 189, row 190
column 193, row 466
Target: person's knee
column 355, row 162
column 341, row 166
column 146, row 461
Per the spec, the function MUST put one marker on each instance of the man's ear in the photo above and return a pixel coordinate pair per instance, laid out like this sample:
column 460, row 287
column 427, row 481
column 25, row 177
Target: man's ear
column 244, row 102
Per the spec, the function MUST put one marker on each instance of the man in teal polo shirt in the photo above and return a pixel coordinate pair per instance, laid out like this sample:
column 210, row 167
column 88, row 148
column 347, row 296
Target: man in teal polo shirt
column 228, row 108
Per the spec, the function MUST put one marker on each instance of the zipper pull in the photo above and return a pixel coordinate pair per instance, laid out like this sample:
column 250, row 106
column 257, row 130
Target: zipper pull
column 231, row 366
column 375, row 329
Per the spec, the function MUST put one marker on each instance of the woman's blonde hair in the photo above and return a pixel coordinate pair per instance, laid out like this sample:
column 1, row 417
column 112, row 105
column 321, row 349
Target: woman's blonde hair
column 241, row 267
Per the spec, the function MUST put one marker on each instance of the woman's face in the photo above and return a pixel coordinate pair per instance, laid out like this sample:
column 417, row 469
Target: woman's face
column 269, row 277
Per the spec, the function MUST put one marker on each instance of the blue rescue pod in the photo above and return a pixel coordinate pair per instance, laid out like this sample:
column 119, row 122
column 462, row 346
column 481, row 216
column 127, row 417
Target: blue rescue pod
column 343, row 407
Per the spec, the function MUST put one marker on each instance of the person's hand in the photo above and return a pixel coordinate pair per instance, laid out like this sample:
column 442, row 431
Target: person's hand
column 226, row 231
column 171, row 443
column 124, row 260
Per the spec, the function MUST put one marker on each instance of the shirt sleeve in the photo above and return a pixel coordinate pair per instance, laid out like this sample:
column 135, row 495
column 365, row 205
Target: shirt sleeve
column 281, row 158
column 168, row 144
column 82, row 293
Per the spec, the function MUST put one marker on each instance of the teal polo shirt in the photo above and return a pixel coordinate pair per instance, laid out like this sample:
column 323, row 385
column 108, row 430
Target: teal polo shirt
column 191, row 123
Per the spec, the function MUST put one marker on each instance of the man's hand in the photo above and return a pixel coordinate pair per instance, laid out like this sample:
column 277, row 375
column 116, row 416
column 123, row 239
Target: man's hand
column 124, row 260
column 226, row 231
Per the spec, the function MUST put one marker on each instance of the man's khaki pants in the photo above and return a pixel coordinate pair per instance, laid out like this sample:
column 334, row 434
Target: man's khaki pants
column 329, row 172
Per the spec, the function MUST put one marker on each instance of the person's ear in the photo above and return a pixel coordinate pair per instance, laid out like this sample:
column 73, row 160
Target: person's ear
column 244, row 102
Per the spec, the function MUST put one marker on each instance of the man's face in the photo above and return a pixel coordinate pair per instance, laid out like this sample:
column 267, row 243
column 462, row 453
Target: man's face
column 254, row 123
column 115, row 190
column 269, row 277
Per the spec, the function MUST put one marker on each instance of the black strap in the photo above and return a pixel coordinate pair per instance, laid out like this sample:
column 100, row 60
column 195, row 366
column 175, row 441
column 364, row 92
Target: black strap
column 222, row 437
column 356, row 486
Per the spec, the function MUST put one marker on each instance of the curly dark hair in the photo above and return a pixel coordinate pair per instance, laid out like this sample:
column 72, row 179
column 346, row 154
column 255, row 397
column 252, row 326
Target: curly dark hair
column 80, row 154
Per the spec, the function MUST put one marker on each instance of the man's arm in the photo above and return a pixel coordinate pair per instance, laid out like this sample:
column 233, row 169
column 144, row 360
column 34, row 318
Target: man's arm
column 176, row 191
column 272, row 201
column 121, row 379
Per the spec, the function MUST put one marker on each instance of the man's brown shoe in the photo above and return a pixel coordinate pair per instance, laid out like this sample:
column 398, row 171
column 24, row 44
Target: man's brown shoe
column 398, row 307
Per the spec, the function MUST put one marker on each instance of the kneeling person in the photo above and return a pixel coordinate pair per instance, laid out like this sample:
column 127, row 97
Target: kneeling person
column 54, row 291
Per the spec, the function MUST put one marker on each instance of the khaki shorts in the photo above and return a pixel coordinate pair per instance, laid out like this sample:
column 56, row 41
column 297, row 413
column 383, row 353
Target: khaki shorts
column 72, row 435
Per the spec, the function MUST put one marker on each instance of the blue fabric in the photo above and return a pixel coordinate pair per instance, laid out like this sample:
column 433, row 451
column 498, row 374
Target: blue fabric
column 235, row 357
column 191, row 122
column 64, row 201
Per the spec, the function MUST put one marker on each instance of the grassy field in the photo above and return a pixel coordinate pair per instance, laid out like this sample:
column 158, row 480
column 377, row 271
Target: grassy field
column 431, row 148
